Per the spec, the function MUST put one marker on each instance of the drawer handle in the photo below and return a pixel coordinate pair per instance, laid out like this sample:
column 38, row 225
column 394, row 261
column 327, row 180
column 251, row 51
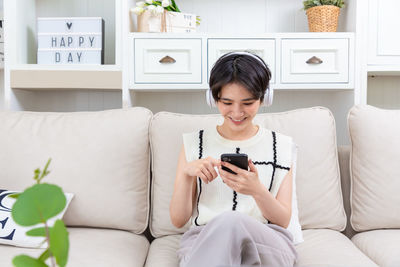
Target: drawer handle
column 314, row 60
column 167, row 60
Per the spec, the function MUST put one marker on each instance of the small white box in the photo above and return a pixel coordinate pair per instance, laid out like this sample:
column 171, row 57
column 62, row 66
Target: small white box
column 70, row 25
column 71, row 56
column 73, row 40
column 174, row 22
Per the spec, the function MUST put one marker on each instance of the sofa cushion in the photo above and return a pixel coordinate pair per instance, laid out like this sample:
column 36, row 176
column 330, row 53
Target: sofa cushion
column 382, row 246
column 321, row 247
column 324, row 247
column 375, row 179
column 14, row 234
column 100, row 157
column 344, row 163
column 163, row 252
column 93, row 247
column 318, row 181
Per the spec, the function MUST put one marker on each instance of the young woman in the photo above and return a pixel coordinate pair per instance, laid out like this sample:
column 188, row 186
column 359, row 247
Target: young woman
column 237, row 219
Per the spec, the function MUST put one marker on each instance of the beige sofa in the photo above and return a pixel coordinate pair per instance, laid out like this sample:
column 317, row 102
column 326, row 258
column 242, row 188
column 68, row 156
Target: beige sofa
column 104, row 159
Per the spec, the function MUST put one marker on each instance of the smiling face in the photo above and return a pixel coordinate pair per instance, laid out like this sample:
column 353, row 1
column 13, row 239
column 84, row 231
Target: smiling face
column 238, row 107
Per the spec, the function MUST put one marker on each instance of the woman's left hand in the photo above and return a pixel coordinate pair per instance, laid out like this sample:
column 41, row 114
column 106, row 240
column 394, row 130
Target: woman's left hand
column 244, row 182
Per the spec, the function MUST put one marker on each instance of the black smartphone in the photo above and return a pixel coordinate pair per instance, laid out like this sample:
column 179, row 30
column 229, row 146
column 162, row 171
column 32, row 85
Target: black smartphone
column 239, row 160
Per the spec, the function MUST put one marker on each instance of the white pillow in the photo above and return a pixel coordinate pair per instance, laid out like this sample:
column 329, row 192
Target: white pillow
column 14, row 234
column 294, row 224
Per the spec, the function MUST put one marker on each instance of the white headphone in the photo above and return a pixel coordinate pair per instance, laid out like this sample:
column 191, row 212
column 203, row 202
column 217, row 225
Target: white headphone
column 269, row 92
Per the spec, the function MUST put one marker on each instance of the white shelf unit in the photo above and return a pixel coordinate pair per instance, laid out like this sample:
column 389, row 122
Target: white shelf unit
column 22, row 72
column 379, row 60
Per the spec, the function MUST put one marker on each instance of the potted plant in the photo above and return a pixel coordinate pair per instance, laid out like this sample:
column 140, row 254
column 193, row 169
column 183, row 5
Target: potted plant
column 163, row 16
column 323, row 15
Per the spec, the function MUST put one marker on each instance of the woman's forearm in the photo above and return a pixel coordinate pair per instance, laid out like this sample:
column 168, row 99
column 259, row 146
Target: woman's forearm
column 271, row 208
column 181, row 205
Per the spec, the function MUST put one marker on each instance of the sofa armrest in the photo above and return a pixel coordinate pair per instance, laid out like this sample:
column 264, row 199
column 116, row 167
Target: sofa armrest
column 344, row 163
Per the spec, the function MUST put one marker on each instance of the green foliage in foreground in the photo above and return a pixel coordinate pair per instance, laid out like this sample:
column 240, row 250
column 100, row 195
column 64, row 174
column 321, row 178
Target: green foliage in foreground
column 36, row 205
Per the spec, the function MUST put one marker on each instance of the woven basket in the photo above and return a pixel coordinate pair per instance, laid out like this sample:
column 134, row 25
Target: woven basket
column 323, row 18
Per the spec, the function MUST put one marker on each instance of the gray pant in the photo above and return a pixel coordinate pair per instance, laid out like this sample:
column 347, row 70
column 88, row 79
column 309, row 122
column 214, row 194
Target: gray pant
column 236, row 239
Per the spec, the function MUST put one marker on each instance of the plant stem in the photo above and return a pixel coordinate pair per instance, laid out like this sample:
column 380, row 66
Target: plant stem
column 53, row 263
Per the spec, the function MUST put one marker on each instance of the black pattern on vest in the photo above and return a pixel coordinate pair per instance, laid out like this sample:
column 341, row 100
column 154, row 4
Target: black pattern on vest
column 274, row 164
column 234, row 192
column 200, row 156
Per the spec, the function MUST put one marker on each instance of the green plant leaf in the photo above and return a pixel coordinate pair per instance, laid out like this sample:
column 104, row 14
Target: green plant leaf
column 312, row 3
column 37, row 232
column 173, row 4
column 38, row 204
column 59, row 243
column 45, row 255
column 16, row 195
column 26, row 261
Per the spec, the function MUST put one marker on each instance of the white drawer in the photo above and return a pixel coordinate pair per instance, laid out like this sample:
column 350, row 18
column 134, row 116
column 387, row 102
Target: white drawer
column 315, row 61
column 167, row 60
column 264, row 48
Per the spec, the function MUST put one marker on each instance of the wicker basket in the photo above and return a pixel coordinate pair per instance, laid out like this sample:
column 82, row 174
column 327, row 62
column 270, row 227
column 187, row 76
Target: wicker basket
column 323, row 18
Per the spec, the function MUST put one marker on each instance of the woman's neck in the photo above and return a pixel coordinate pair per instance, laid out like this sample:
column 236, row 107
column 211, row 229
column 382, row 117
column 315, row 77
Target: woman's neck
column 244, row 134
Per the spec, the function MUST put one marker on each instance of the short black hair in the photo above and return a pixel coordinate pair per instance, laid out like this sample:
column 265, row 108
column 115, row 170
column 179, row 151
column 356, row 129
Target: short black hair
column 241, row 68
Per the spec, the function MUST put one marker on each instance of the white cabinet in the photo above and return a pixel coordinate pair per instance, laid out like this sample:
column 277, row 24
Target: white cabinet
column 296, row 60
column 167, row 61
column 315, row 61
column 383, row 37
column 264, row 48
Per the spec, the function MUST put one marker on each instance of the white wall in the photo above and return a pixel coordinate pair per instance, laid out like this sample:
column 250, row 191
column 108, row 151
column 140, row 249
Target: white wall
column 384, row 92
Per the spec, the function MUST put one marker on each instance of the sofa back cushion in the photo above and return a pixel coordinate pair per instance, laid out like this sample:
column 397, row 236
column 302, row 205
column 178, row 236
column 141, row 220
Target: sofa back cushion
column 375, row 176
column 100, row 157
column 318, row 180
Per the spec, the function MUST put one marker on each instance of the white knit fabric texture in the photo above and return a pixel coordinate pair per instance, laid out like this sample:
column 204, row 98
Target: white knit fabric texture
column 216, row 197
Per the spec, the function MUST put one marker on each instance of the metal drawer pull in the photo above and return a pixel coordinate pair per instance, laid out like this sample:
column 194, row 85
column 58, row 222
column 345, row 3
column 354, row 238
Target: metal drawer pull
column 314, row 60
column 167, row 60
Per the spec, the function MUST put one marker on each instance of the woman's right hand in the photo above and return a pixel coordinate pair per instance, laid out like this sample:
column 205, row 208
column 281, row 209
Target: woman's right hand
column 203, row 168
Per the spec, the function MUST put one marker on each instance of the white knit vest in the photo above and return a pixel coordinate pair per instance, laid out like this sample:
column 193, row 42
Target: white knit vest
column 271, row 153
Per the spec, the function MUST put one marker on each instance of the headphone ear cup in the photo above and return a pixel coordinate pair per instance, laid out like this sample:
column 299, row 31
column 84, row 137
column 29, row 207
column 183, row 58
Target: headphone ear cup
column 268, row 97
column 210, row 100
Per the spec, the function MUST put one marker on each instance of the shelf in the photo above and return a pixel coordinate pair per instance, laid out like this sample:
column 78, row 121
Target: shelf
column 383, row 70
column 44, row 77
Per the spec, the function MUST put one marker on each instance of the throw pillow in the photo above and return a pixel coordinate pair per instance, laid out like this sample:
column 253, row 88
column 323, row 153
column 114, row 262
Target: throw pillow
column 375, row 182
column 14, row 234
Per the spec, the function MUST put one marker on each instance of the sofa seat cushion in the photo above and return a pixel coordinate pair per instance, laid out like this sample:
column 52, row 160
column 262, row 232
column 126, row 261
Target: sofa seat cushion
column 382, row 246
column 162, row 252
column 101, row 157
column 319, row 194
column 321, row 247
column 93, row 247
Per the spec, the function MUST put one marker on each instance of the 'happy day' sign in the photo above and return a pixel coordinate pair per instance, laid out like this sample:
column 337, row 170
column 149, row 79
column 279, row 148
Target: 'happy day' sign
column 70, row 40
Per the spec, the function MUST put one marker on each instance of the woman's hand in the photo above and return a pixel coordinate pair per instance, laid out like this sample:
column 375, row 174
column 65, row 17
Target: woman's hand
column 244, row 182
column 203, row 168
